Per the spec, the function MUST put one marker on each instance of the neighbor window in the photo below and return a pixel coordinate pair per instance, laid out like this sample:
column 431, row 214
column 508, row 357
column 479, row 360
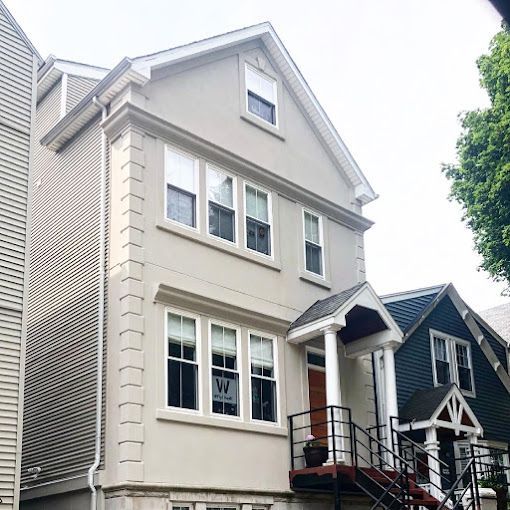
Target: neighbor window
column 263, row 378
column 261, row 95
column 258, row 226
column 182, row 361
column 220, row 193
column 181, row 188
column 313, row 243
column 224, row 371
column 452, row 361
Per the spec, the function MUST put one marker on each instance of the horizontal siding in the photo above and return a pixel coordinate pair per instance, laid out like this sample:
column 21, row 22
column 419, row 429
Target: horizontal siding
column 414, row 371
column 15, row 76
column 16, row 71
column 60, row 387
column 498, row 349
column 77, row 89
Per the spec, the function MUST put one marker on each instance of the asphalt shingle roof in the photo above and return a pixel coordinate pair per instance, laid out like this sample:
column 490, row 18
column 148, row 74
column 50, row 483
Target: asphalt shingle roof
column 422, row 403
column 498, row 319
column 325, row 307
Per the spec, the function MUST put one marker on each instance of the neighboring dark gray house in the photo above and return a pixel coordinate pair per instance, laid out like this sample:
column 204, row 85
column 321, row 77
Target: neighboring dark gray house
column 452, row 374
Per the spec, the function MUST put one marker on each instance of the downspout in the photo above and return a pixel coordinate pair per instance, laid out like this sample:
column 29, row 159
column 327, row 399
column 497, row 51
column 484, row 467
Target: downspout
column 100, row 314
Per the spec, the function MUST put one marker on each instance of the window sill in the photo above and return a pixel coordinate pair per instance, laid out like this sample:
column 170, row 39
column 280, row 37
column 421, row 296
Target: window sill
column 316, row 280
column 269, row 128
column 209, row 421
column 223, row 246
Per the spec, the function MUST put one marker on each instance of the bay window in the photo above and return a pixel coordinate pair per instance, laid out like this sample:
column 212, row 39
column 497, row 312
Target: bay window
column 221, row 197
column 224, row 370
column 452, row 361
column 258, row 220
column 181, row 175
column 313, row 243
column 263, row 378
column 182, row 361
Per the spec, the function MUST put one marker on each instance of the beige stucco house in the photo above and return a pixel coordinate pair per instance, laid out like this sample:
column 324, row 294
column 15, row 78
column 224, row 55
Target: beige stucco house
column 18, row 67
column 197, row 276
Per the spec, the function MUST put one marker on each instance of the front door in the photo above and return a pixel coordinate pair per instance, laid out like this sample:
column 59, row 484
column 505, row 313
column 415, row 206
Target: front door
column 317, row 395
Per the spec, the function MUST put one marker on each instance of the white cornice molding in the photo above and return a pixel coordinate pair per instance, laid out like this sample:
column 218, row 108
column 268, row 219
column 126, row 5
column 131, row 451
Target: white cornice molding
column 131, row 115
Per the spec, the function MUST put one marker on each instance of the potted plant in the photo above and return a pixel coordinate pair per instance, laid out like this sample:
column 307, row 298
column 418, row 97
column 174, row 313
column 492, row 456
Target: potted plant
column 497, row 482
column 316, row 454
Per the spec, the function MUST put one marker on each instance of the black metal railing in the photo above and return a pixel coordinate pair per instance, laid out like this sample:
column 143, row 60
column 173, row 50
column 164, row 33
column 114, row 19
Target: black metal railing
column 389, row 464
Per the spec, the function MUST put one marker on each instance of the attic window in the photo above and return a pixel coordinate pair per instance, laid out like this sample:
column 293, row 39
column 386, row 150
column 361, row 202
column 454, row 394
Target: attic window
column 261, row 95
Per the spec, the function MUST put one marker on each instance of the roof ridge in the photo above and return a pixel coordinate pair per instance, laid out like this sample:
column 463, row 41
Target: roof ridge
column 425, row 290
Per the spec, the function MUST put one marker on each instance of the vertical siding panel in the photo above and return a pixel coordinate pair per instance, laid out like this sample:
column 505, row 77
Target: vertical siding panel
column 16, row 80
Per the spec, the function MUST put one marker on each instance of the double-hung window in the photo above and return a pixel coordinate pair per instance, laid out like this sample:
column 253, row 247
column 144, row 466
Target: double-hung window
column 263, row 378
column 463, row 367
column 258, row 220
column 442, row 360
column 224, row 370
column 181, row 173
column 313, row 243
column 221, row 196
column 261, row 95
column 182, row 362
column 452, row 361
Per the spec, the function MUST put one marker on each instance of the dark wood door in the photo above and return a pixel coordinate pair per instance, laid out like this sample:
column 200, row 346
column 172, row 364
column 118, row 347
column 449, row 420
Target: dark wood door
column 317, row 394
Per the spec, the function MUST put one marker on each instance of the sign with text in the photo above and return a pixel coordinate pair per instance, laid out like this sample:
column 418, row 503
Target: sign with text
column 224, row 390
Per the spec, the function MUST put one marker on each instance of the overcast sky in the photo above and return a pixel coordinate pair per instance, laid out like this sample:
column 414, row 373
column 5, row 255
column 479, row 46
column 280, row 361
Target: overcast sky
column 392, row 75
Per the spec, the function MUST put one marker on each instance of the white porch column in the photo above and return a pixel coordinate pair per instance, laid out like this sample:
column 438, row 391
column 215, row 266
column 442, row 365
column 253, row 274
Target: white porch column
column 333, row 393
column 432, row 447
column 390, row 383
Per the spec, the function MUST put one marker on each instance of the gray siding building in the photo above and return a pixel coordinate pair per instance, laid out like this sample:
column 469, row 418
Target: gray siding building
column 18, row 67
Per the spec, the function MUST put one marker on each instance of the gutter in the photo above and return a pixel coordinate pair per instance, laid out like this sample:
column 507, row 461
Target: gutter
column 100, row 314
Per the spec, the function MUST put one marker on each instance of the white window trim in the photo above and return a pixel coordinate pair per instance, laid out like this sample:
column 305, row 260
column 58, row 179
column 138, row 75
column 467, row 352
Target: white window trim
column 196, row 183
column 321, row 235
column 452, row 360
column 276, row 377
column 269, row 217
column 234, row 203
column 183, row 313
column 275, row 92
column 239, row 368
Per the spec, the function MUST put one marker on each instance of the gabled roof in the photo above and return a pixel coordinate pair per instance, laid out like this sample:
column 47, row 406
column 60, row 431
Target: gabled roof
column 411, row 308
column 444, row 406
column 19, row 30
column 139, row 70
column 324, row 307
column 53, row 68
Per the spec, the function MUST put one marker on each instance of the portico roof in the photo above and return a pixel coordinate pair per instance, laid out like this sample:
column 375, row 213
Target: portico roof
column 363, row 322
column 443, row 407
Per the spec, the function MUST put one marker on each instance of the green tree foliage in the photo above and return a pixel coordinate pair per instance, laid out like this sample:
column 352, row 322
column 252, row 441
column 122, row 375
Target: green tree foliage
column 481, row 180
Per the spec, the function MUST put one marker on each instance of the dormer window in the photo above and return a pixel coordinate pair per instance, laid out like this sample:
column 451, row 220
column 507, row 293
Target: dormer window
column 261, row 95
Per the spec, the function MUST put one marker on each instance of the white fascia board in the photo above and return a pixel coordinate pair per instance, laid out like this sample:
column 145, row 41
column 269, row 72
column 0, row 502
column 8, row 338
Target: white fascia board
column 312, row 330
column 81, row 70
column 411, row 294
column 144, row 65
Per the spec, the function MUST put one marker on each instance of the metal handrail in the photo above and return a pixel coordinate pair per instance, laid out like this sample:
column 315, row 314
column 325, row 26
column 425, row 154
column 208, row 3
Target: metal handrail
column 456, row 484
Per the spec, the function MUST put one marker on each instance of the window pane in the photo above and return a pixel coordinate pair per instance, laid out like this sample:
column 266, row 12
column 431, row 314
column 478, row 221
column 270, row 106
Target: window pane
column 440, row 349
column 262, row 86
column 221, row 188
column 262, row 360
column 221, row 222
column 180, row 206
column 225, row 392
column 188, row 339
column 462, row 355
column 465, row 378
column 312, row 231
column 262, row 206
column 443, row 372
column 313, row 258
column 174, row 336
column 180, row 171
column 189, row 385
column 258, row 236
column 263, row 399
column 261, row 108
column 174, row 383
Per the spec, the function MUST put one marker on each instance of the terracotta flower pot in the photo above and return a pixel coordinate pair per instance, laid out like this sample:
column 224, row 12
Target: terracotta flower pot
column 315, row 456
